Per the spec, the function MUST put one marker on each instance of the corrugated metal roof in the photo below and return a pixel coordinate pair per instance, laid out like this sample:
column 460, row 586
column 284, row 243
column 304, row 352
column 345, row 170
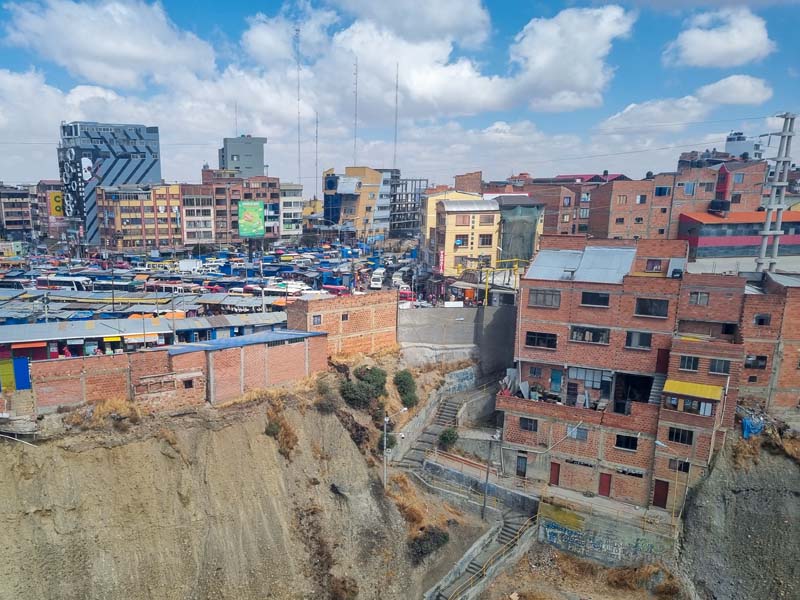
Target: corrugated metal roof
column 695, row 390
column 244, row 340
column 469, row 205
column 594, row 264
column 81, row 329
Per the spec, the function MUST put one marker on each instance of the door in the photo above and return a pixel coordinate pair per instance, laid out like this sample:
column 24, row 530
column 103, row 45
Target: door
column 605, row 485
column 22, row 373
column 522, row 465
column 662, row 360
column 555, row 473
column 660, row 493
column 572, row 393
column 555, row 381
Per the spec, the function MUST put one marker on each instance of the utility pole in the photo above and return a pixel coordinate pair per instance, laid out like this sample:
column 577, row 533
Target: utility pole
column 778, row 183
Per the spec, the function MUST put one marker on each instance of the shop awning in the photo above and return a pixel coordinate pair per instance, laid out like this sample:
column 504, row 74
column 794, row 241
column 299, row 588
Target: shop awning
column 695, row 390
column 75, row 342
column 113, row 338
column 24, row 345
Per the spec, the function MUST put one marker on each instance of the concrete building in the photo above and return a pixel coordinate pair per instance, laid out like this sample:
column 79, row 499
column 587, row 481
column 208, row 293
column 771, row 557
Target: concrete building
column 244, row 155
column 738, row 144
column 92, row 154
column 136, row 218
column 292, row 205
column 404, row 218
column 351, row 201
column 50, row 198
column 467, row 235
column 427, row 241
column 17, row 213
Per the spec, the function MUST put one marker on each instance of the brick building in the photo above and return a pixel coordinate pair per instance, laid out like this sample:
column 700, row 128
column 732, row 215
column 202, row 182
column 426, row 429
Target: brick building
column 634, row 366
column 363, row 323
column 471, row 183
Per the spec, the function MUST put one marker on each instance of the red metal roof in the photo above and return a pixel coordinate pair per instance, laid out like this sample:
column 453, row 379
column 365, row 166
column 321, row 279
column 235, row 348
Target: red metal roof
column 739, row 217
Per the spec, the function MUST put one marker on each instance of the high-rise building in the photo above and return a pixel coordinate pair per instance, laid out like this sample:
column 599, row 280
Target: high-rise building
column 291, row 209
column 243, row 154
column 16, row 213
column 93, row 154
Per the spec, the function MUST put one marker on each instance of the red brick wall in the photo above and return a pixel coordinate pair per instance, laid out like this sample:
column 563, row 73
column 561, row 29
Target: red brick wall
column 371, row 323
column 470, row 182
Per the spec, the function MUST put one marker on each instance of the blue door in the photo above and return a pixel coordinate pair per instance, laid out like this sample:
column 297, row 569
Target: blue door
column 555, row 381
column 22, row 374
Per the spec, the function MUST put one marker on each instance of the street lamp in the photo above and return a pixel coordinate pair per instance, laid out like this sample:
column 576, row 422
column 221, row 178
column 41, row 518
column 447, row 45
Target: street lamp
column 385, row 425
column 678, row 457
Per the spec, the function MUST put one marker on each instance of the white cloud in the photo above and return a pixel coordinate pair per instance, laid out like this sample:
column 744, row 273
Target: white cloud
column 736, row 89
column 563, row 65
column 466, row 22
column 725, row 38
column 110, row 42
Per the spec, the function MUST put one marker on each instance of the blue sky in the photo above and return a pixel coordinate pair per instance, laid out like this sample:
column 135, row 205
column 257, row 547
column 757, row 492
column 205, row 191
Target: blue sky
column 541, row 87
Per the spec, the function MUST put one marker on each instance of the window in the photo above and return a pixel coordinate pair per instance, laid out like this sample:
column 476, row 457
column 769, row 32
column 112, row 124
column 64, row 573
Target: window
column 707, row 186
column 681, row 436
column 485, row 239
column 641, row 198
column 697, row 407
column 586, row 197
column 688, row 188
column 535, row 372
column 622, row 199
column 719, row 366
column 736, row 198
column 627, row 442
column 638, row 220
column 762, row 320
column 188, row 384
column 589, row 335
column 591, row 378
column 583, row 213
column 486, row 219
column 698, row 298
column 567, row 200
column 660, row 232
column 738, row 178
column 653, row 265
column 752, row 379
column 578, row 433
column 540, row 340
column 678, row 465
column 462, row 240
column 565, row 218
column 638, row 339
column 345, row 317
column 583, row 228
column 316, row 320
column 662, row 190
column 462, row 220
column 619, row 220
column 528, row 424
column 689, row 363
column 544, row 298
column 755, row 362
column 594, row 299
column 651, row 307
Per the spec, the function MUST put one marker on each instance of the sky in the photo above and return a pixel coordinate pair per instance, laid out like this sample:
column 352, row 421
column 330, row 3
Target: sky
column 542, row 87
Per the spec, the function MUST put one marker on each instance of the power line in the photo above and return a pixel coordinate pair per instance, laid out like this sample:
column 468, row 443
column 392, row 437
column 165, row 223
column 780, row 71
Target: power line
column 674, row 123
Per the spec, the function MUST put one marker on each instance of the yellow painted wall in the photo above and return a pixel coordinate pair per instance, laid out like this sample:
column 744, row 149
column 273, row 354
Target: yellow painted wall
column 447, row 232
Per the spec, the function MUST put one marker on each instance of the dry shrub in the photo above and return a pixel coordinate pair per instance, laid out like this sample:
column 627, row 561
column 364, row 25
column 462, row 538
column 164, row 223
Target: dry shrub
column 745, row 452
column 632, row 578
column 668, row 589
column 412, row 514
column 577, row 567
column 343, row 588
column 77, row 418
column 279, row 427
column 168, row 435
column 115, row 408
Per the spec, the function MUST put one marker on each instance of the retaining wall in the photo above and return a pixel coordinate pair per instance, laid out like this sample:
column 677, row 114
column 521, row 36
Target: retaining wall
column 608, row 541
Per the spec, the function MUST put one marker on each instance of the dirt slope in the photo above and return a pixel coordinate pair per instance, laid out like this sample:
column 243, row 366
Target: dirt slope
column 215, row 512
column 742, row 530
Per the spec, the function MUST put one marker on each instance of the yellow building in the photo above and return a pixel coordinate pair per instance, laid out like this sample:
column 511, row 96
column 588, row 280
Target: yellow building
column 139, row 217
column 467, row 235
column 427, row 224
column 358, row 200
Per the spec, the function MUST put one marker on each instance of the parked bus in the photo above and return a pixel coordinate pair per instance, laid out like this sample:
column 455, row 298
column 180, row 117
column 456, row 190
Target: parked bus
column 59, row 282
column 173, row 287
column 120, row 285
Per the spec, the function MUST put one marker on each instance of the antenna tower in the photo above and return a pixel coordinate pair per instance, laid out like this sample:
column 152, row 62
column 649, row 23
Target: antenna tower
column 297, row 56
column 316, row 154
column 396, row 88
column 355, row 111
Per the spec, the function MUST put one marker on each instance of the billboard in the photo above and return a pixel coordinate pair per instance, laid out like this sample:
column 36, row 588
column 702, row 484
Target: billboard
column 251, row 218
column 56, row 203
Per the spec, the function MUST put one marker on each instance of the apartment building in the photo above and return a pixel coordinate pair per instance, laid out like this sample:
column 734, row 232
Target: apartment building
column 567, row 207
column 197, row 211
column 351, row 201
column 50, row 203
column 467, row 235
column 427, row 223
column 17, row 213
column 135, row 217
column 291, row 210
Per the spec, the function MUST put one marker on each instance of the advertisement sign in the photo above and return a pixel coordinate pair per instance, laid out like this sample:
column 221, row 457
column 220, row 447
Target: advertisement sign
column 251, row 218
column 56, row 202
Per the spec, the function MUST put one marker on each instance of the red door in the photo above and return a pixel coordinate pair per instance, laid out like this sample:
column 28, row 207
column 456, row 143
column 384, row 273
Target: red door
column 662, row 361
column 555, row 473
column 605, row 485
column 660, row 493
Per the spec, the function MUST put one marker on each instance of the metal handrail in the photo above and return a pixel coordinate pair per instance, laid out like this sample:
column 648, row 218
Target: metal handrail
column 502, row 551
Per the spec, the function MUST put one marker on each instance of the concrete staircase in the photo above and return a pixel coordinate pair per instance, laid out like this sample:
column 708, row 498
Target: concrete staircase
column 514, row 524
column 448, row 412
column 658, row 386
column 425, row 442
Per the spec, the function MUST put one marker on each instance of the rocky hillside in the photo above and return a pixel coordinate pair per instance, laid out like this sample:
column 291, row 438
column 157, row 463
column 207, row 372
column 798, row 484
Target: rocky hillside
column 203, row 506
column 742, row 528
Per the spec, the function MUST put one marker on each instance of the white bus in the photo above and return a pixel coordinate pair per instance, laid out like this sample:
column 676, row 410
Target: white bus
column 63, row 282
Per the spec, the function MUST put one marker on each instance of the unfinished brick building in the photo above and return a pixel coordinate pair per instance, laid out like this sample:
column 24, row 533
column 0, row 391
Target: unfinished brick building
column 630, row 369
